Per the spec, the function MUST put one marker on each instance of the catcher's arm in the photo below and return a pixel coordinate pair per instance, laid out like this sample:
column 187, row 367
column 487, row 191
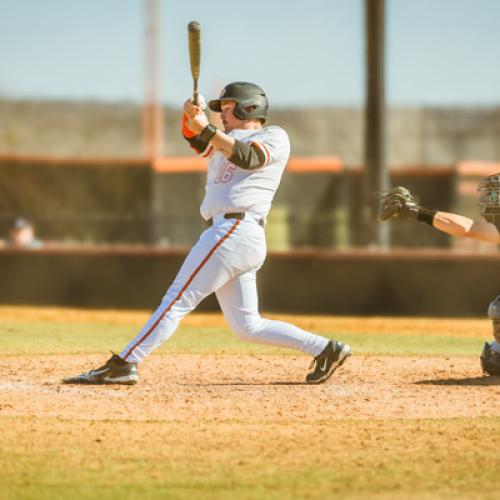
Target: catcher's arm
column 463, row 227
column 399, row 203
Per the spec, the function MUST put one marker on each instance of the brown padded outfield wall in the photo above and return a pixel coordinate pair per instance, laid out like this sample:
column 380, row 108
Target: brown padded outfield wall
column 319, row 202
column 314, row 220
column 405, row 282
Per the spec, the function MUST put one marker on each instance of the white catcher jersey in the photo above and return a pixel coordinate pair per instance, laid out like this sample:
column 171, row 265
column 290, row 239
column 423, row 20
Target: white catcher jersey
column 230, row 188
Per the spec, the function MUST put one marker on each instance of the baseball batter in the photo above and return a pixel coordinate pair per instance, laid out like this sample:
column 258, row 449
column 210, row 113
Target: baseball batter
column 400, row 203
column 246, row 163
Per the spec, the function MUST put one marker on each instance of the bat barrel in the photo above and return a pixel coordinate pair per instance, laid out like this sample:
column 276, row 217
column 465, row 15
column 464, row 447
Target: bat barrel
column 194, row 48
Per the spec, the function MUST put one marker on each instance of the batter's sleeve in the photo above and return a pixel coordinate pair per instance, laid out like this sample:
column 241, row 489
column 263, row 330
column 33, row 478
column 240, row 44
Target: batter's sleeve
column 273, row 143
column 247, row 156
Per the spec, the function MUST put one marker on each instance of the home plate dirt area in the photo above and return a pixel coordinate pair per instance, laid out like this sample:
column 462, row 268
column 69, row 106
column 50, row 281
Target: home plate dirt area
column 184, row 387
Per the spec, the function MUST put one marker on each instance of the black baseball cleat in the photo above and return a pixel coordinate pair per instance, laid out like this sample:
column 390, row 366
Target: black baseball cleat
column 325, row 363
column 115, row 371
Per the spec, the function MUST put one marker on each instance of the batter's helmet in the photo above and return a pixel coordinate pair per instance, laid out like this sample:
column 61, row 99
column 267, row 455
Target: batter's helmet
column 489, row 198
column 251, row 100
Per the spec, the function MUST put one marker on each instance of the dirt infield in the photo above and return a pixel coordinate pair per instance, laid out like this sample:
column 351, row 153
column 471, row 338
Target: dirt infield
column 219, row 386
column 253, row 388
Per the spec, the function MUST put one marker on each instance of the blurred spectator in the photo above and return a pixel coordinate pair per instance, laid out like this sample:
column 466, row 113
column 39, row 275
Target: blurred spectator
column 22, row 234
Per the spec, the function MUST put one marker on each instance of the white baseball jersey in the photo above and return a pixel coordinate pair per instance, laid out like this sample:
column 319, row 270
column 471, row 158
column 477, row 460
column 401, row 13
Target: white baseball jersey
column 230, row 188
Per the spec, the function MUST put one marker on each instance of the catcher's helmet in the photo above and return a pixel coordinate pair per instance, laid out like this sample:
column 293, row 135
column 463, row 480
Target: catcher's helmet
column 489, row 198
column 494, row 309
column 251, row 100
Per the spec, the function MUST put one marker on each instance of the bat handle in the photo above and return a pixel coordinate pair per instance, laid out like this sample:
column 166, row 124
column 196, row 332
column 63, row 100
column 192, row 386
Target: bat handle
column 195, row 92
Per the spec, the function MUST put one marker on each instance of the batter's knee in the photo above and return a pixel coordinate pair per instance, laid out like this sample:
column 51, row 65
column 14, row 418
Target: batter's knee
column 247, row 329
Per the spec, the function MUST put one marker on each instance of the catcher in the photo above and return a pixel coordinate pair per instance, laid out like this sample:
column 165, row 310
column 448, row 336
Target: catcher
column 399, row 203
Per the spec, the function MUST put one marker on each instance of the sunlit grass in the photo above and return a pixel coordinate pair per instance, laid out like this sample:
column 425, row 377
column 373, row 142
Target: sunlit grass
column 33, row 338
column 296, row 459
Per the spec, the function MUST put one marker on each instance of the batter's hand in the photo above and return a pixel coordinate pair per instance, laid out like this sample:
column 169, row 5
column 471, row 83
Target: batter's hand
column 398, row 202
column 197, row 119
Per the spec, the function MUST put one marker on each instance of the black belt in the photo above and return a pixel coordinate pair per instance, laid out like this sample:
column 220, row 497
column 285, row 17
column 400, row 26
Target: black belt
column 235, row 215
column 238, row 216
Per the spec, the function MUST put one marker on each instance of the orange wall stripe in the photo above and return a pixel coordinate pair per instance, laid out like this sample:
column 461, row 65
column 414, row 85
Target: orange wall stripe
column 315, row 164
column 478, row 168
column 180, row 164
column 302, row 165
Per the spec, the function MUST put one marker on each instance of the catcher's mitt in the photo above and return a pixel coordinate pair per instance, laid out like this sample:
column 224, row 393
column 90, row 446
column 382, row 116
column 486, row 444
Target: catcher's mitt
column 398, row 202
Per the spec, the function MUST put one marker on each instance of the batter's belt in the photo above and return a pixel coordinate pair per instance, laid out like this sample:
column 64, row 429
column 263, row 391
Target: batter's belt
column 238, row 216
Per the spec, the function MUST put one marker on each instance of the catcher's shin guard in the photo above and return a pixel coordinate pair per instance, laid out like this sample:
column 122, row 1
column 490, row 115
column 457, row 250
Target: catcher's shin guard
column 490, row 360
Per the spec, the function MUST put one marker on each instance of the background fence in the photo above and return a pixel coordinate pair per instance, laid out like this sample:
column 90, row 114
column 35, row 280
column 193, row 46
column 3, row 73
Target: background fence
column 318, row 204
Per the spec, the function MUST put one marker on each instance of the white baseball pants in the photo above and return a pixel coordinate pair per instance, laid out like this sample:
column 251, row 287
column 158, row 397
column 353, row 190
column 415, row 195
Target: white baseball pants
column 225, row 260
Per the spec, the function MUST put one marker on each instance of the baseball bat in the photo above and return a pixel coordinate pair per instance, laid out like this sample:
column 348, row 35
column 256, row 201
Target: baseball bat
column 194, row 55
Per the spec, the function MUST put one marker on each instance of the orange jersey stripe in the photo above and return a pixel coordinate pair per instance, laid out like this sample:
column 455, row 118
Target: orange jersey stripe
column 188, row 282
column 263, row 148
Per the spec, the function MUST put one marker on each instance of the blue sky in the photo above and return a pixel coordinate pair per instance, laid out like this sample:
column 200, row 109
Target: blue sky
column 305, row 52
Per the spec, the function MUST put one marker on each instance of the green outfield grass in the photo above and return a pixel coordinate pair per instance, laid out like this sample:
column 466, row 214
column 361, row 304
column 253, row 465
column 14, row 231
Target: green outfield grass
column 393, row 459
column 32, row 338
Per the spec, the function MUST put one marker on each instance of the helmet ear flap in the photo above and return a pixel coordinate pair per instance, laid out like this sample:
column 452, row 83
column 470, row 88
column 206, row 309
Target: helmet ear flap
column 240, row 112
column 255, row 106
